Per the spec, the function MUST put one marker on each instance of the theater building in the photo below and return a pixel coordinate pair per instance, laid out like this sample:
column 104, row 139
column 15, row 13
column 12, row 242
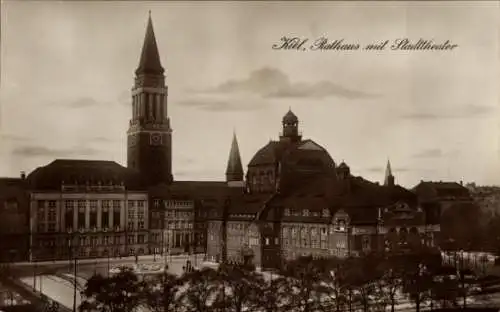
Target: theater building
column 298, row 201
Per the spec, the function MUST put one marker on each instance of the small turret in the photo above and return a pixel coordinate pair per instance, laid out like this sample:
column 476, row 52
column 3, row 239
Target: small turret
column 290, row 124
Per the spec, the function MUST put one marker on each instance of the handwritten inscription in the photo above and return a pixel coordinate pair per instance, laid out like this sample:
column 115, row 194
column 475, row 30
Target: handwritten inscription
column 326, row 44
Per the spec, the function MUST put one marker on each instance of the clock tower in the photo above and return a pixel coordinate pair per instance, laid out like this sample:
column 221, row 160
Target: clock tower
column 149, row 136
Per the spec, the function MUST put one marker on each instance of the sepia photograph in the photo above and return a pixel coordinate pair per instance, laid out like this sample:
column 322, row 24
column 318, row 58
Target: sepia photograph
column 249, row 156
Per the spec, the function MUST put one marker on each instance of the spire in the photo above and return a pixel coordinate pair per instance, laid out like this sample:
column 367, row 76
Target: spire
column 234, row 171
column 150, row 58
column 389, row 178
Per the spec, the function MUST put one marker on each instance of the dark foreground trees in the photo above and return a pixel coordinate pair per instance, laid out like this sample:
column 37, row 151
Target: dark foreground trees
column 370, row 283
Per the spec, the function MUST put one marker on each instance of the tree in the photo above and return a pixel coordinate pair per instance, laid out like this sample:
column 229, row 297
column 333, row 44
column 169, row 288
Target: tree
column 303, row 276
column 201, row 289
column 417, row 278
column 362, row 277
column 271, row 294
column 242, row 282
column 391, row 280
column 445, row 287
column 335, row 283
column 466, row 279
column 118, row 293
column 160, row 292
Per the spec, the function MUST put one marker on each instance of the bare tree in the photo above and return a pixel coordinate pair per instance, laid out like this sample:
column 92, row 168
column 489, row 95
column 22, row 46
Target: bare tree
column 201, row 288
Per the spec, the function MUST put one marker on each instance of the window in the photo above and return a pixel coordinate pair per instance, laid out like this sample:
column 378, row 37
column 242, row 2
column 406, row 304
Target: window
column 106, row 240
column 69, row 204
column 116, row 204
column 141, row 204
column 93, row 215
column 81, row 204
column 94, row 241
column 106, row 204
column 41, row 204
column 51, row 227
column 68, row 218
column 41, row 227
column 131, row 214
column 365, row 242
column 130, row 225
column 140, row 239
column 131, row 203
column 130, row 239
column 41, row 214
column 305, row 212
column 156, row 203
column 140, row 225
column 105, row 218
column 116, row 215
column 51, row 216
column 81, row 217
column 341, row 225
column 326, row 213
column 267, row 241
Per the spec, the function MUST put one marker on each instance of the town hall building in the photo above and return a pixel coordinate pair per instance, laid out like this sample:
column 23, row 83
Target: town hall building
column 293, row 200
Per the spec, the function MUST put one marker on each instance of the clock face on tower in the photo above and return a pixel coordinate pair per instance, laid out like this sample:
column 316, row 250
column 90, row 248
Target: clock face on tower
column 155, row 139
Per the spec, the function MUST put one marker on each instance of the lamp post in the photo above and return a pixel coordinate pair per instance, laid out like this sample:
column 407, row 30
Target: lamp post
column 73, row 255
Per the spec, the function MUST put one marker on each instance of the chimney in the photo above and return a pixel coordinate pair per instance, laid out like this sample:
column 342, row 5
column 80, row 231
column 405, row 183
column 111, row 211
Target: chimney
column 23, row 175
column 461, row 183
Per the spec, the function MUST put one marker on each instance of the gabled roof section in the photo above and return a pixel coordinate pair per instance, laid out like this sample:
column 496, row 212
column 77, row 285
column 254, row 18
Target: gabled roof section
column 442, row 189
column 150, row 57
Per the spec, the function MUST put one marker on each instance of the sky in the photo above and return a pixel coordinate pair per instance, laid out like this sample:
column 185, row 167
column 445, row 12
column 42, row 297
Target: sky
column 67, row 70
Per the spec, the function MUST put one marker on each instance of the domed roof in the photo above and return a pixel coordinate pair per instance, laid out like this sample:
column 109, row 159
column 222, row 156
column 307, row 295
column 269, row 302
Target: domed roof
column 305, row 153
column 290, row 117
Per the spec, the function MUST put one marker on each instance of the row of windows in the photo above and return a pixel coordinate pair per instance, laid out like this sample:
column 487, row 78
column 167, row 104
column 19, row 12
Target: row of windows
column 306, row 213
column 157, row 203
column 173, row 214
column 93, row 204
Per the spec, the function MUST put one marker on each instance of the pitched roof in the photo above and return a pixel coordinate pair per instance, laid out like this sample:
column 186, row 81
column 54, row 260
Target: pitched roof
column 150, row 57
column 71, row 171
column 444, row 189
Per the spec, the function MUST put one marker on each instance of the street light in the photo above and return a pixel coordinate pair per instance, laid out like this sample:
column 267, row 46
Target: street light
column 71, row 254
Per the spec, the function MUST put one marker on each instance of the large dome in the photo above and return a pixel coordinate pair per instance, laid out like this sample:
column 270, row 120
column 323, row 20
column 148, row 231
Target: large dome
column 304, row 154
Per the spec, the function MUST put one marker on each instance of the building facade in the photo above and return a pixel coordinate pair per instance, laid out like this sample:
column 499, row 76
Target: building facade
column 14, row 220
column 86, row 209
column 297, row 201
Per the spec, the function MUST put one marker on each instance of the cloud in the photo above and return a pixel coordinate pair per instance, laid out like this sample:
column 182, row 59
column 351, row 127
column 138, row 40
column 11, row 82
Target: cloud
column 37, row 151
column 102, row 139
column 14, row 137
column 84, row 102
column 435, row 153
column 207, row 103
column 273, row 83
column 429, row 153
column 464, row 111
column 382, row 169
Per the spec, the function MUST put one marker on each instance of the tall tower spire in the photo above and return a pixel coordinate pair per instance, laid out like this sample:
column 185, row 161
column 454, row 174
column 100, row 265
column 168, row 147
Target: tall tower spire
column 149, row 134
column 389, row 178
column 149, row 62
column 234, row 171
